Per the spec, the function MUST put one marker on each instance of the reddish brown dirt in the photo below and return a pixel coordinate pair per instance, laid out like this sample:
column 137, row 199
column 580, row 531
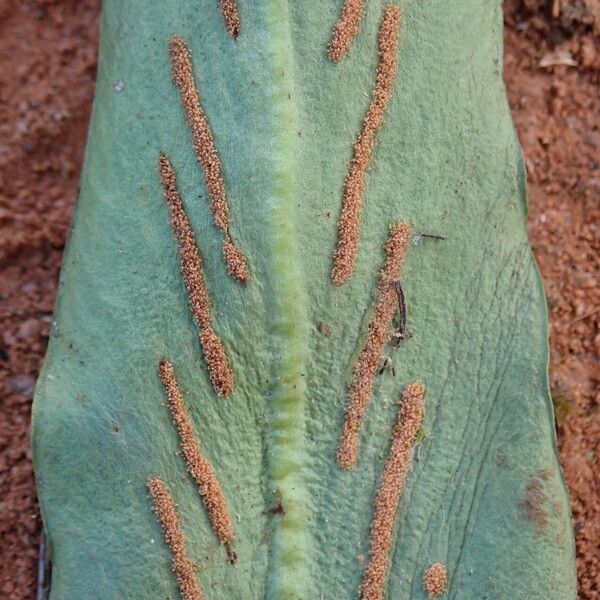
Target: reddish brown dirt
column 47, row 70
column 557, row 114
column 47, row 67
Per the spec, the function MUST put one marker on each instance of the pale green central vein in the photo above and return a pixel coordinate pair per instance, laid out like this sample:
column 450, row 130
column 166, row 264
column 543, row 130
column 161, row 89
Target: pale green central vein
column 288, row 576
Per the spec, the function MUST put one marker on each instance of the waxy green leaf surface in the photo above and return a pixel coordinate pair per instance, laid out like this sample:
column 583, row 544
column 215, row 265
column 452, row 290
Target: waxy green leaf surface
column 484, row 496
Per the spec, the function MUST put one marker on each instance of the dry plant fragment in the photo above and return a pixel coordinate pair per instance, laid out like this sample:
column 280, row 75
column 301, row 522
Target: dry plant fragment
column 198, row 467
column 231, row 16
column 354, row 186
column 183, row 567
column 345, row 29
column 206, row 152
column 409, row 421
column 435, row 580
column 191, row 269
column 378, row 334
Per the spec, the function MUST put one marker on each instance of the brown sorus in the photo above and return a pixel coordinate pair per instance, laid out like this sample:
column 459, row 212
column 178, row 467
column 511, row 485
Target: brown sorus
column 354, row 186
column 198, row 467
column 394, row 473
column 345, row 29
column 435, row 580
column 183, row 567
column 235, row 261
column 369, row 361
column 206, row 152
column 231, row 16
column 191, row 269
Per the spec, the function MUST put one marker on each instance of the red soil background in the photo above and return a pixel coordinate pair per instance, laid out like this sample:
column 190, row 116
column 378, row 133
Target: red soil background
column 47, row 70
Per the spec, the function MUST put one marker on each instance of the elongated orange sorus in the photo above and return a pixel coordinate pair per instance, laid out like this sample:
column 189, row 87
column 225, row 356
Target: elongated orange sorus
column 354, row 187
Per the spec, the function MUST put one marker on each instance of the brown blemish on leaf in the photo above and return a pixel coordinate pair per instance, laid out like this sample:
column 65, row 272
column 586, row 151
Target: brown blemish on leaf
column 324, row 329
column 191, row 269
column 502, row 460
column 277, row 508
column 206, row 152
column 533, row 505
column 435, row 580
column 354, row 186
column 371, row 356
column 345, row 29
column 409, row 421
column 231, row 16
column 183, row 568
column 545, row 474
column 198, row 467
